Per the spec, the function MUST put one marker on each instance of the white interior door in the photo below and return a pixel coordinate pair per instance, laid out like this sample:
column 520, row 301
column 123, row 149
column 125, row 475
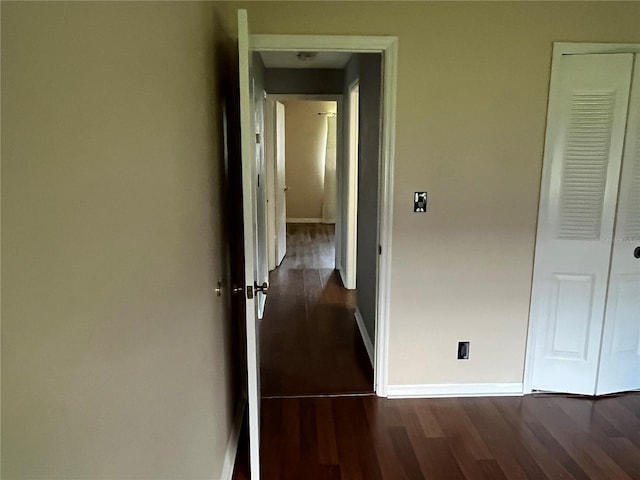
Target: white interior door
column 620, row 355
column 281, row 186
column 251, row 260
column 585, row 134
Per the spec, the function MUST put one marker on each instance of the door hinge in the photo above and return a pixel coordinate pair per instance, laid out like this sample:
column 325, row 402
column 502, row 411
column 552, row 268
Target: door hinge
column 250, row 292
column 379, row 249
column 257, row 138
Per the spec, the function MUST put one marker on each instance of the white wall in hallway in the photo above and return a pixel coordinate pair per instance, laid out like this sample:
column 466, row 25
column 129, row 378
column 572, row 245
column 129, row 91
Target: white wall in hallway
column 305, row 140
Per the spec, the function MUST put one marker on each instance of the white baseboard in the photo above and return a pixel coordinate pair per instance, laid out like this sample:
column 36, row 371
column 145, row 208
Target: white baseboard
column 343, row 276
column 455, row 390
column 232, row 444
column 365, row 335
column 304, row 220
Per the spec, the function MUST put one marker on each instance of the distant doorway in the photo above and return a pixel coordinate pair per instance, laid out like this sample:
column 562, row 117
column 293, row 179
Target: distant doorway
column 309, row 341
column 303, row 152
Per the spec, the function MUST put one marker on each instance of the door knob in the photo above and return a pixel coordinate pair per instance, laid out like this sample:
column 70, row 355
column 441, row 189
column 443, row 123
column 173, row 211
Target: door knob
column 285, row 189
column 636, row 252
column 218, row 289
column 262, row 288
column 237, row 289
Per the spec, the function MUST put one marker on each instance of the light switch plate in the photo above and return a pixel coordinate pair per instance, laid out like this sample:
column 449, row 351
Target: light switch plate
column 420, row 202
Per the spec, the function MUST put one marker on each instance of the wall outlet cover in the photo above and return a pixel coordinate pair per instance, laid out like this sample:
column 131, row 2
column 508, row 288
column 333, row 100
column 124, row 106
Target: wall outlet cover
column 463, row 350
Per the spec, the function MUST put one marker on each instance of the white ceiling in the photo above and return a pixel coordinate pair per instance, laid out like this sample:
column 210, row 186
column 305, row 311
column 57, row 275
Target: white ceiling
column 290, row 60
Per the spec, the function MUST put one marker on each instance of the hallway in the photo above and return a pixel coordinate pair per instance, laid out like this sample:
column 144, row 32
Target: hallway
column 309, row 340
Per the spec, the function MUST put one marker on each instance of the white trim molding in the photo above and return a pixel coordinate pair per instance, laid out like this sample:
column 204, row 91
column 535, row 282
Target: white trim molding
column 321, row 43
column 232, row 444
column 304, row 220
column 385, row 207
column 573, row 48
column 343, row 275
column 366, row 339
column 447, row 390
column 348, row 184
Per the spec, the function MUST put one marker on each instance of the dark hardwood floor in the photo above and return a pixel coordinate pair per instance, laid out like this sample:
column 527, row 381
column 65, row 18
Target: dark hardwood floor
column 370, row 438
column 310, row 345
column 309, row 340
column 309, row 245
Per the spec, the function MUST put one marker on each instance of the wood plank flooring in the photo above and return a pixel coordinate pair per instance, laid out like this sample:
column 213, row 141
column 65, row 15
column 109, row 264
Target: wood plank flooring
column 309, row 340
column 309, row 245
column 369, row 438
column 364, row 437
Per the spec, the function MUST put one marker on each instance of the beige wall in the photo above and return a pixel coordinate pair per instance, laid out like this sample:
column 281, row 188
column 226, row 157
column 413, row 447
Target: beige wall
column 115, row 350
column 305, row 145
column 472, row 94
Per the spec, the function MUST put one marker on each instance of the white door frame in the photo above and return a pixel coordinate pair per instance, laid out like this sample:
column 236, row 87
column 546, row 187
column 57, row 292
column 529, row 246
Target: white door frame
column 388, row 47
column 560, row 49
column 350, row 155
column 270, row 126
column 270, row 161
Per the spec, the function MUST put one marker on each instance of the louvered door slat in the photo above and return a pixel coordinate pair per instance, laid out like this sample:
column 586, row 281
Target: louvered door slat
column 585, row 164
column 632, row 216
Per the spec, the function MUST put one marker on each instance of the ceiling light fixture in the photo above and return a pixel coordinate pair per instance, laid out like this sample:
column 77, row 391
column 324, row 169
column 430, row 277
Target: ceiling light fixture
column 307, row 56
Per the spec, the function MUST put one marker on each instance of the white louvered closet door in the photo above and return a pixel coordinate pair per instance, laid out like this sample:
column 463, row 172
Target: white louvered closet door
column 585, row 134
column 620, row 352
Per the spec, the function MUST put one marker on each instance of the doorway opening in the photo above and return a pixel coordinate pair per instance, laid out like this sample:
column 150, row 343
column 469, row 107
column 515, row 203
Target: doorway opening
column 301, row 136
column 251, row 134
column 310, row 341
